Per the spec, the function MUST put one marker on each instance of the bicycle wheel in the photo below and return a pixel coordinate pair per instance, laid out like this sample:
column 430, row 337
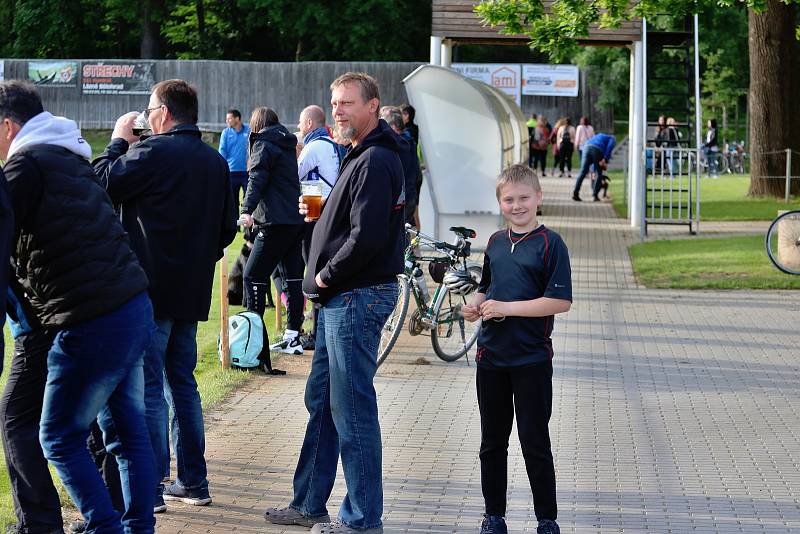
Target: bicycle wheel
column 453, row 336
column 783, row 242
column 394, row 324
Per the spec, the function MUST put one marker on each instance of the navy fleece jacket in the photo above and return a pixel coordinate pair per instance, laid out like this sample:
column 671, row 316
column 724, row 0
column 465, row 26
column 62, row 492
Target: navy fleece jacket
column 358, row 240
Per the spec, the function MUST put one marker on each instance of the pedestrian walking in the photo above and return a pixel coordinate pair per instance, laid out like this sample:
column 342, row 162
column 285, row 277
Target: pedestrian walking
column 539, row 143
column 566, row 136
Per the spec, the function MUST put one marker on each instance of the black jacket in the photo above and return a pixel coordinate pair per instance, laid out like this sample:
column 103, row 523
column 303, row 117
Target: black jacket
column 359, row 240
column 273, row 186
column 73, row 257
column 411, row 169
column 177, row 205
column 6, row 234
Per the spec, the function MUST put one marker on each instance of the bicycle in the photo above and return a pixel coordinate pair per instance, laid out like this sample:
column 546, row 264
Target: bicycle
column 783, row 242
column 451, row 335
column 712, row 164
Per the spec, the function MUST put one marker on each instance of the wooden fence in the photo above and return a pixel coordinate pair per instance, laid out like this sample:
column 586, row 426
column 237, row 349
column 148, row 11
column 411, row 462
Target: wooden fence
column 285, row 87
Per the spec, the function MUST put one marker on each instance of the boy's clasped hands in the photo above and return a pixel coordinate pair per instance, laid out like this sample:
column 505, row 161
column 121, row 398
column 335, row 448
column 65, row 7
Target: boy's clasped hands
column 480, row 308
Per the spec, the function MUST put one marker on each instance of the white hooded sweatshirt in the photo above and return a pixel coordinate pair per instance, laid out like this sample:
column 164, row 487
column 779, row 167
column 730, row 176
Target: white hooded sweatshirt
column 45, row 129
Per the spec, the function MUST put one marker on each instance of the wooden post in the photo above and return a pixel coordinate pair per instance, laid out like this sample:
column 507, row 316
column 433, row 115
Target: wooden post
column 223, row 310
column 278, row 307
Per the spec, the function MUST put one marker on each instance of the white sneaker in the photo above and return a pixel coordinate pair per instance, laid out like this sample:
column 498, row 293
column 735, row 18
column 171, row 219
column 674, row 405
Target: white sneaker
column 290, row 344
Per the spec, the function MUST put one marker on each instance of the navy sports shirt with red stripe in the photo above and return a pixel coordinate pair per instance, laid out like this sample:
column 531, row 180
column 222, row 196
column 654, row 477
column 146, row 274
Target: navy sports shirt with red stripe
column 538, row 267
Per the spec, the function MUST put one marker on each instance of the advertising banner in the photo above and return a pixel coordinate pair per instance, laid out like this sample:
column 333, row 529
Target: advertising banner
column 550, row 80
column 117, row 77
column 504, row 77
column 53, row 73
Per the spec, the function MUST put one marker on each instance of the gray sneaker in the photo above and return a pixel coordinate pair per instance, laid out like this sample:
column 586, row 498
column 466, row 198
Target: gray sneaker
column 290, row 516
column 339, row 528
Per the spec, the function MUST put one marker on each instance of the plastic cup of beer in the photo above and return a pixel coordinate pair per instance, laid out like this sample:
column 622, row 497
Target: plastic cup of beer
column 312, row 197
column 140, row 125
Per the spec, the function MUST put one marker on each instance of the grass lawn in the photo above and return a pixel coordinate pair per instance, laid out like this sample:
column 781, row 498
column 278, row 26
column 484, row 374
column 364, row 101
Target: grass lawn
column 708, row 263
column 722, row 199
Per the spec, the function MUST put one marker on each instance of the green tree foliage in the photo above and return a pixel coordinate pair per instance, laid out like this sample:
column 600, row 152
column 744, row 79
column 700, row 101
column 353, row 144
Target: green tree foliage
column 556, row 32
column 262, row 30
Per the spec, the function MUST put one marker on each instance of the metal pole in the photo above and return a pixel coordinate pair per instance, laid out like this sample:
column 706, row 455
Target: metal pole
column 637, row 175
column 223, row 311
column 788, row 174
column 697, row 119
column 643, row 134
column 436, row 50
column 447, row 53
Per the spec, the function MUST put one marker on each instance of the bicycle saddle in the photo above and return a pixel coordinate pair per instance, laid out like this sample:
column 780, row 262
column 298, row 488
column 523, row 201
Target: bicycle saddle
column 466, row 233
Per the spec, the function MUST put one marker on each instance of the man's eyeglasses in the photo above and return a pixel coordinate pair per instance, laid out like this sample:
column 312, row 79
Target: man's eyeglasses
column 148, row 110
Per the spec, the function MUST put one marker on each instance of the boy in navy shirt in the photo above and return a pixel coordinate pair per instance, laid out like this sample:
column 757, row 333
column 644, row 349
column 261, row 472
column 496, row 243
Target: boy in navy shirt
column 526, row 281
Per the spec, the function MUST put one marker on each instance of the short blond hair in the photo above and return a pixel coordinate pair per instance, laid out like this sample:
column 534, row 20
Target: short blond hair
column 366, row 83
column 517, row 174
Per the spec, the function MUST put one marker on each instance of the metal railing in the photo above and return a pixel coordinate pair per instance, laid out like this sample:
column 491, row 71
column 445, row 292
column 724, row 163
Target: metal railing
column 671, row 188
column 781, row 158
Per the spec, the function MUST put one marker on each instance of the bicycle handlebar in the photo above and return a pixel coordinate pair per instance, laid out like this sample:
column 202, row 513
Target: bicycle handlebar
column 456, row 247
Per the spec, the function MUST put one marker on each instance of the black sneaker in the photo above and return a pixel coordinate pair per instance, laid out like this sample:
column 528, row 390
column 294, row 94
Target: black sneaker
column 195, row 497
column 493, row 524
column 308, row 341
column 575, row 197
column 159, row 506
column 596, row 198
column 548, row 526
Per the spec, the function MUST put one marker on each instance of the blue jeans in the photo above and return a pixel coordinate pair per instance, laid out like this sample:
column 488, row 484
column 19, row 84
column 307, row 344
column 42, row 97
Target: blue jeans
column 590, row 156
column 96, row 368
column 343, row 409
column 169, row 364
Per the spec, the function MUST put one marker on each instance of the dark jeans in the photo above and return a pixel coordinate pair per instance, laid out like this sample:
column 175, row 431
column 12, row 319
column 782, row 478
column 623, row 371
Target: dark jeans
column 565, row 156
column 343, row 409
column 36, row 502
column 539, row 158
column 591, row 157
column 172, row 354
column 529, row 392
column 238, row 182
column 277, row 245
column 94, row 370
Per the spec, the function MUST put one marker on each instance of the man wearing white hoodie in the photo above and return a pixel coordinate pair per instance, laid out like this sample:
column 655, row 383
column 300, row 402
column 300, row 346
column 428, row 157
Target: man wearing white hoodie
column 85, row 284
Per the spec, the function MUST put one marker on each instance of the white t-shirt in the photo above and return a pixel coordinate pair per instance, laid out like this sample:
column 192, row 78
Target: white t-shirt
column 321, row 155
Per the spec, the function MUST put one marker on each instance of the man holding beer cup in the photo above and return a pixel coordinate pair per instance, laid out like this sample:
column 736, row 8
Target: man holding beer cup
column 355, row 256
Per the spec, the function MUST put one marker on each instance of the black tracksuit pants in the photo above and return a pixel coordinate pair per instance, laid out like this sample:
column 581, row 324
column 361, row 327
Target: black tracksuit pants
column 36, row 502
column 276, row 245
column 528, row 392
column 539, row 158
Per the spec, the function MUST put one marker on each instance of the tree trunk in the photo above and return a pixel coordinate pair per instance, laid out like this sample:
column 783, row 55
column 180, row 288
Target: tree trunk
column 774, row 107
column 149, row 47
column 201, row 28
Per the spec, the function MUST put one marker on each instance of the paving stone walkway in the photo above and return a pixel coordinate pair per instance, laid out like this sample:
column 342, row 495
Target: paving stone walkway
column 674, row 411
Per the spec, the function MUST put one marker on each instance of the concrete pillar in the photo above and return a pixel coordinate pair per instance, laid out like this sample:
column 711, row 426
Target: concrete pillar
column 636, row 133
column 447, row 53
column 436, row 50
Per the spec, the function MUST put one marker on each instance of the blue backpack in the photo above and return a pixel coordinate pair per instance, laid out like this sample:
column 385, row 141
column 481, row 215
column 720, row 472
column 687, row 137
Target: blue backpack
column 249, row 343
